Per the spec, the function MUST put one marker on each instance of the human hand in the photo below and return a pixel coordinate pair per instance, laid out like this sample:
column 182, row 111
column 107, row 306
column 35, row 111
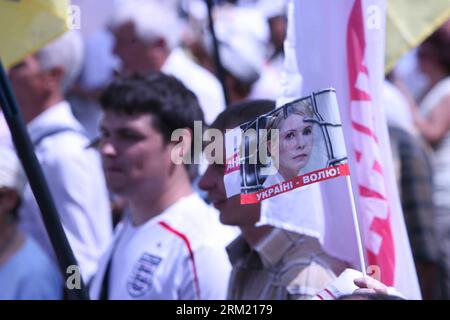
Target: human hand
column 369, row 285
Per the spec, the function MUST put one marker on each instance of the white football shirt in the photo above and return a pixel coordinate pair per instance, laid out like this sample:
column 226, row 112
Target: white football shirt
column 179, row 254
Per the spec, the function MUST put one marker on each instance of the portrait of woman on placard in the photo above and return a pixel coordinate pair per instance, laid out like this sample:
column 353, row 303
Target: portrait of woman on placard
column 295, row 143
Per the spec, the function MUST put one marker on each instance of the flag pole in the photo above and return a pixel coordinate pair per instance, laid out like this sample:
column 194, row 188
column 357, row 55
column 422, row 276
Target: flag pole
column 362, row 261
column 217, row 60
column 38, row 184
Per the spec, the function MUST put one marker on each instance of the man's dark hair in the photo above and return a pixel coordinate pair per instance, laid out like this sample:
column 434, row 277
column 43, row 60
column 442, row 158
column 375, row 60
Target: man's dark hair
column 238, row 114
column 170, row 103
column 242, row 112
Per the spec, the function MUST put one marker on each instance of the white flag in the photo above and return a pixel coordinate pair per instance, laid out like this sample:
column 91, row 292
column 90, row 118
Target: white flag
column 340, row 44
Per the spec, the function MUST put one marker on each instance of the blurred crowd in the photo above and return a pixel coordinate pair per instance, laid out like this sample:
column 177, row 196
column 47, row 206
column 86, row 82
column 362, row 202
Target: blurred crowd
column 100, row 105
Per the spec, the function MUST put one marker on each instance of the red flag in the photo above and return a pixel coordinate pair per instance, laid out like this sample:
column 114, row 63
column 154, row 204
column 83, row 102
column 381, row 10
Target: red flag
column 366, row 148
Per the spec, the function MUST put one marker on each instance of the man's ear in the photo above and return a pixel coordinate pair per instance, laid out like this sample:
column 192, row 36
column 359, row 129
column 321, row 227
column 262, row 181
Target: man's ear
column 54, row 77
column 182, row 141
column 9, row 199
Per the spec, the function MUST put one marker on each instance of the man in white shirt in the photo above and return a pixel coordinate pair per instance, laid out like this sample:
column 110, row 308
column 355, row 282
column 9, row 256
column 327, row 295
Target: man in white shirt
column 170, row 246
column 73, row 172
column 147, row 35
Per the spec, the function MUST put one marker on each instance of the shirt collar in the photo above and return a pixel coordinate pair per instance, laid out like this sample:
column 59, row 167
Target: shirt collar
column 237, row 250
column 275, row 246
column 58, row 115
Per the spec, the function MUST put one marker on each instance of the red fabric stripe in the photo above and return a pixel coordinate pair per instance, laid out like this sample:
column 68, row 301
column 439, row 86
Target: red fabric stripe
column 366, row 192
column 191, row 253
column 356, row 47
column 297, row 182
column 364, row 69
column 361, row 95
column 320, row 297
column 363, row 129
column 382, row 227
column 329, row 292
column 358, row 155
column 377, row 167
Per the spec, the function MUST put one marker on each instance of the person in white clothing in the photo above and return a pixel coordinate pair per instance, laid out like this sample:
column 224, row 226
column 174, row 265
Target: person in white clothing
column 73, row 171
column 242, row 34
column 432, row 120
column 26, row 273
column 147, row 36
column 169, row 247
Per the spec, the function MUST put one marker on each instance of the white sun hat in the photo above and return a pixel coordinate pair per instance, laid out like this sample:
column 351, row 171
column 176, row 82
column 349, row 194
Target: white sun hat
column 243, row 36
column 11, row 173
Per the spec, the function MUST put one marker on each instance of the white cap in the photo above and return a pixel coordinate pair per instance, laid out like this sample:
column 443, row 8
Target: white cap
column 243, row 36
column 11, row 173
column 152, row 20
column 235, row 56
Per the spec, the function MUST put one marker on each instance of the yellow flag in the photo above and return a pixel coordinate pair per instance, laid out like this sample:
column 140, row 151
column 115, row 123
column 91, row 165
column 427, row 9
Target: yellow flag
column 409, row 22
column 27, row 25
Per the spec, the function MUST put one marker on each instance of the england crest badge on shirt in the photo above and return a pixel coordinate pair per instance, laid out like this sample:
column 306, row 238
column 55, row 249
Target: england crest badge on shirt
column 141, row 277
